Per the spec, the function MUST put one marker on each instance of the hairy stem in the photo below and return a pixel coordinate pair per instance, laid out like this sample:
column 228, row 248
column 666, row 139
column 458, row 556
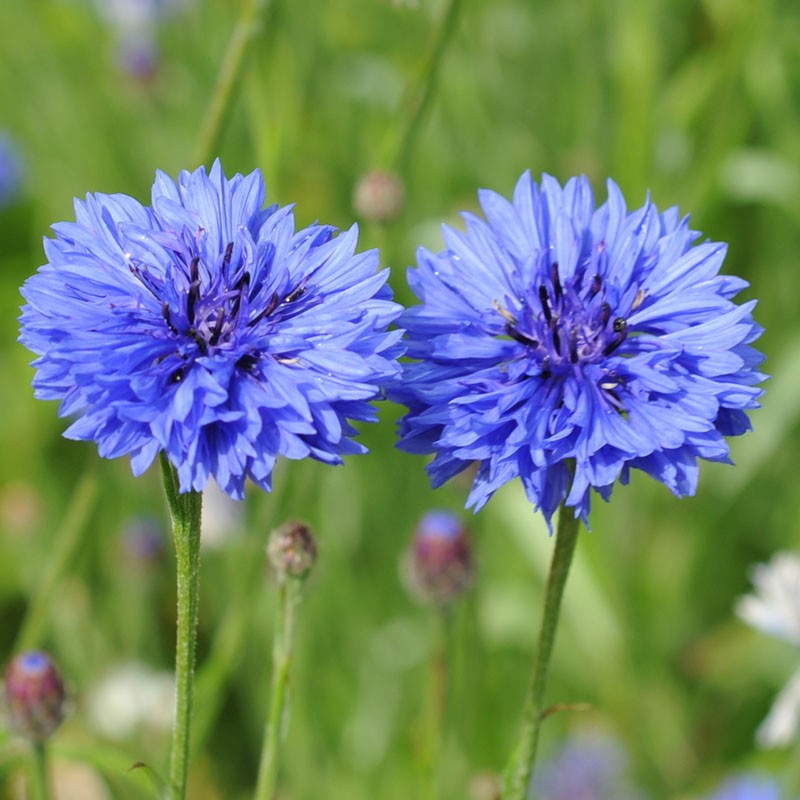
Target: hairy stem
column 520, row 767
column 288, row 597
column 185, row 510
column 40, row 785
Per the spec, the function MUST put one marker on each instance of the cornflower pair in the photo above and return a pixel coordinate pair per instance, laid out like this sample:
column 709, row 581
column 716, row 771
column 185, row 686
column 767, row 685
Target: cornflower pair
column 556, row 342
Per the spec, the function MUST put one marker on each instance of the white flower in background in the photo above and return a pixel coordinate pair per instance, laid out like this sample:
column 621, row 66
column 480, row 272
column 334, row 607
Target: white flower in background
column 774, row 609
column 136, row 14
column 130, row 699
column 222, row 518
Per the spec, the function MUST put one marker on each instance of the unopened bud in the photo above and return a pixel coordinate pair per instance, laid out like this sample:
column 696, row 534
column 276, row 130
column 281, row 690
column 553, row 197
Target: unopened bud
column 142, row 541
column 292, row 550
column 378, row 196
column 34, row 694
column 441, row 563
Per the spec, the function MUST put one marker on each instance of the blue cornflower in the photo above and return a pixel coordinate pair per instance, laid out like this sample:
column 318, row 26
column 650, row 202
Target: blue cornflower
column 586, row 767
column 206, row 327
column 748, row 787
column 566, row 344
column 11, row 170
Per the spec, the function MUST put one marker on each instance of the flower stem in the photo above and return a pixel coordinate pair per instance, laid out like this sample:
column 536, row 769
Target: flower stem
column 66, row 542
column 288, row 597
column 520, row 766
column 40, row 786
column 185, row 510
column 791, row 776
column 438, row 678
column 420, row 96
column 230, row 73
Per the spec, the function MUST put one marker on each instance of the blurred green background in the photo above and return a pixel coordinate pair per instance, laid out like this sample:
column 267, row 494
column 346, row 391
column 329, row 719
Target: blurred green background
column 696, row 102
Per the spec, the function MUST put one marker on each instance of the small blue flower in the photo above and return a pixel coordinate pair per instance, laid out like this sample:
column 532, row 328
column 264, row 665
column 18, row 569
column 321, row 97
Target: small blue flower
column 586, row 767
column 11, row 170
column 566, row 344
column 748, row 787
column 206, row 327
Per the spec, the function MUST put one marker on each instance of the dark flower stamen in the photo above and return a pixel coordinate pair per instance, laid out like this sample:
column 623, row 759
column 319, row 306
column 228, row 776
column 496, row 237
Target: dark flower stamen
column 520, row 336
column 545, row 301
column 226, row 259
column 165, row 312
column 556, row 282
column 193, row 294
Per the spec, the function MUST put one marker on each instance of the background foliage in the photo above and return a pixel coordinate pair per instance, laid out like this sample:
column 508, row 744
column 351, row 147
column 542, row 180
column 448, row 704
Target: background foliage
column 695, row 101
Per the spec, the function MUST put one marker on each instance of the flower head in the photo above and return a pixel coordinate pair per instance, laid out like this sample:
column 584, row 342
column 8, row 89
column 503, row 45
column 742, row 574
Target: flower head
column 566, row 344
column 586, row 767
column 34, row 695
column 774, row 609
column 133, row 697
column 292, row 550
column 750, row 786
column 206, row 327
column 11, row 170
column 440, row 564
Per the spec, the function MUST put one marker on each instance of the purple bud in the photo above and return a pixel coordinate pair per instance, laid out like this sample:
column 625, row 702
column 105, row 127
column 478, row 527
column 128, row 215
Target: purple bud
column 138, row 57
column 292, row 550
column 11, row 170
column 143, row 541
column 441, row 563
column 34, row 694
column 378, row 196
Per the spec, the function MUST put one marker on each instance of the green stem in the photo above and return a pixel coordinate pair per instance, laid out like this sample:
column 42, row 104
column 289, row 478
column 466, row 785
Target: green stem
column 791, row 776
column 40, row 786
column 438, row 677
column 288, row 597
column 228, row 80
column 420, row 96
column 185, row 510
column 520, row 767
column 66, row 543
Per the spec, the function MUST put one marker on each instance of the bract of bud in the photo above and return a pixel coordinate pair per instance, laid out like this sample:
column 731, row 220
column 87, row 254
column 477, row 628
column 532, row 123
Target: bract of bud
column 378, row 196
column 34, row 695
column 142, row 540
column 292, row 550
column 440, row 564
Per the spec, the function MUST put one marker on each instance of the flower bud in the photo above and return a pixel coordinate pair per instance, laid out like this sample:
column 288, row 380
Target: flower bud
column 142, row 541
column 292, row 550
column 441, row 562
column 378, row 196
column 34, row 694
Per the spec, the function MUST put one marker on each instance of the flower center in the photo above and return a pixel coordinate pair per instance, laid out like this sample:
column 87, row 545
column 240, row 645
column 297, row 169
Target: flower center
column 210, row 313
column 564, row 326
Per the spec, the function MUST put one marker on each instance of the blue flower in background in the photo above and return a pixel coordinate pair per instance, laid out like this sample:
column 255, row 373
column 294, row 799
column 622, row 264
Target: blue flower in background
column 11, row 170
column 586, row 767
column 135, row 24
column 206, row 327
column 748, row 787
column 566, row 344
